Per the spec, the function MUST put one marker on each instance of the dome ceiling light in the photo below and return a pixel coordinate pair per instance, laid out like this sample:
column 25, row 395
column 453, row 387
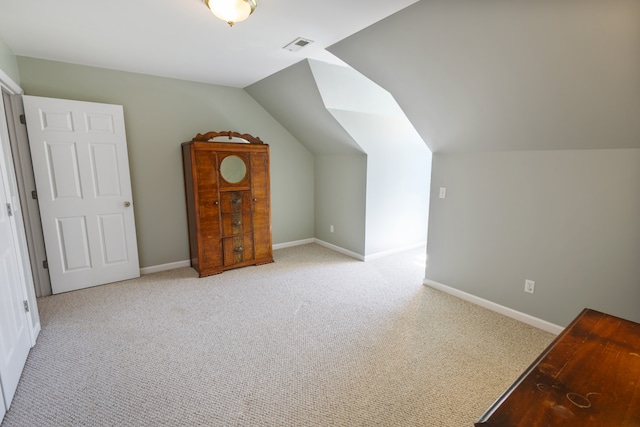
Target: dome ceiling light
column 231, row 11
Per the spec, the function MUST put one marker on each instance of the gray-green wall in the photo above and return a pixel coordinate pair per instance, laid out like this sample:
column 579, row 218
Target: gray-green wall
column 162, row 113
column 499, row 90
column 570, row 220
column 340, row 188
column 8, row 62
column 371, row 167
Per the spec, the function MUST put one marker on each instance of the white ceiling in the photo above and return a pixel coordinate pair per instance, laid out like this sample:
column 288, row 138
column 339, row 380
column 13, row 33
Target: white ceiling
column 181, row 38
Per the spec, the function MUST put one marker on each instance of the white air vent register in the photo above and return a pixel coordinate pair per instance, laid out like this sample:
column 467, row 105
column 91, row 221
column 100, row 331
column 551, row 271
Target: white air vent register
column 298, row 44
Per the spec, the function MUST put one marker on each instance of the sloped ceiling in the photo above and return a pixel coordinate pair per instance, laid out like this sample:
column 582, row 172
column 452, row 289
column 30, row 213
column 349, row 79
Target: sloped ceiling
column 291, row 96
column 333, row 109
column 509, row 75
column 367, row 112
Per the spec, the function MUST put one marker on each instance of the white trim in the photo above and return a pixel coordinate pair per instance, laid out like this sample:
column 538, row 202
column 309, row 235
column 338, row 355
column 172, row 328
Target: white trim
column 28, row 288
column 339, row 249
column 294, row 243
column 36, row 331
column 394, row 251
column 24, row 174
column 506, row 311
column 164, row 267
column 8, row 83
column 187, row 263
column 321, row 243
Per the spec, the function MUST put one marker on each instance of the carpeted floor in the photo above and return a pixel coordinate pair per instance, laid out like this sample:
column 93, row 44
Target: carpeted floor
column 314, row 339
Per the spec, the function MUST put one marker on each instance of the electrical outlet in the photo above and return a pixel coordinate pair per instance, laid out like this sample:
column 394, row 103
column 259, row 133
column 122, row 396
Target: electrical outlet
column 529, row 286
column 331, row 228
column 443, row 192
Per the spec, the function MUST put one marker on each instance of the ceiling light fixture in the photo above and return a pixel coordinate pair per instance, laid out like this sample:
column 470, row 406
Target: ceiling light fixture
column 232, row 11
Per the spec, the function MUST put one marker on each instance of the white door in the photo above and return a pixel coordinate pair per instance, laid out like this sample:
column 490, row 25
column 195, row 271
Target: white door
column 81, row 169
column 2, row 408
column 15, row 339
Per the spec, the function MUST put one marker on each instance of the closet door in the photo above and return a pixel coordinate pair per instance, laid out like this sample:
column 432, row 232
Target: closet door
column 15, row 339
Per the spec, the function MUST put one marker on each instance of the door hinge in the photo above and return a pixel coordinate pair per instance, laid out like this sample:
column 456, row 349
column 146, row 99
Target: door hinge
column 9, row 210
column 23, row 119
column 26, row 306
column 45, row 264
column 34, row 195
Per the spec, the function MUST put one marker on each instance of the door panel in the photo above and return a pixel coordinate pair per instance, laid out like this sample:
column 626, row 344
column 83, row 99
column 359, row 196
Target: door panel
column 261, row 205
column 105, row 168
column 72, row 232
column 81, row 170
column 63, row 171
column 15, row 340
column 114, row 238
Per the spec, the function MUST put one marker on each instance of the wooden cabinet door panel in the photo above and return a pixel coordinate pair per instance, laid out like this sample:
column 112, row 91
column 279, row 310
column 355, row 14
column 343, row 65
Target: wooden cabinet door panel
column 237, row 249
column 235, row 201
column 260, row 184
column 208, row 222
column 236, row 223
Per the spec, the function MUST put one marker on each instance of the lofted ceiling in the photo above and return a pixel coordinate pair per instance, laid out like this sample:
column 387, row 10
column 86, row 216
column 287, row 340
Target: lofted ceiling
column 471, row 76
column 502, row 75
column 181, row 38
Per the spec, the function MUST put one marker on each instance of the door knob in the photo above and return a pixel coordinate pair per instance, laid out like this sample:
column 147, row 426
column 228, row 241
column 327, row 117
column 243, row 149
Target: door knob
column 127, row 204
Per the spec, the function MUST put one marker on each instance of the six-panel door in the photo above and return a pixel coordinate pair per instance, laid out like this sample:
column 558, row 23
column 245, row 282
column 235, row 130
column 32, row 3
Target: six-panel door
column 81, row 170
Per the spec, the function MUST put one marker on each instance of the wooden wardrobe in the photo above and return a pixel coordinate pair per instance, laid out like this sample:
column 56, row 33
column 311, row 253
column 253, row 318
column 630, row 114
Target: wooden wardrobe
column 227, row 187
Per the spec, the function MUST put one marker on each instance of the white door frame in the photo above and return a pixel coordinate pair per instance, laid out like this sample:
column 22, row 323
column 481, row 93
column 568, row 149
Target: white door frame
column 26, row 184
column 26, row 188
column 15, row 327
column 9, row 86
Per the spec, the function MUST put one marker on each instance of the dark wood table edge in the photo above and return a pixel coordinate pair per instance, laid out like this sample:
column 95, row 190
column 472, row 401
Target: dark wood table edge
column 495, row 405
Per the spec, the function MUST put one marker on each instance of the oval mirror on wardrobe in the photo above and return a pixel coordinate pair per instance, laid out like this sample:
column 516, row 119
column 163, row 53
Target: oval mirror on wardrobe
column 233, row 169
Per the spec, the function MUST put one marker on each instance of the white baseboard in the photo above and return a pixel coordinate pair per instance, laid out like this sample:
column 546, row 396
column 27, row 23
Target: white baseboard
column 294, row 243
column 164, row 267
column 506, row 311
column 187, row 263
column 339, row 249
column 346, row 251
column 394, row 251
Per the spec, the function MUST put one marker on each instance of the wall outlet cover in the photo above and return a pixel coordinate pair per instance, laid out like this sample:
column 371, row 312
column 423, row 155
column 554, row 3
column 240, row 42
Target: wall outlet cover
column 529, row 286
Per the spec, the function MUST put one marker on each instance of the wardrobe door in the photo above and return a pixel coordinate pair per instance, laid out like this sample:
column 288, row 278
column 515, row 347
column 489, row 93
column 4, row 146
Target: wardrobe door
column 208, row 205
column 261, row 204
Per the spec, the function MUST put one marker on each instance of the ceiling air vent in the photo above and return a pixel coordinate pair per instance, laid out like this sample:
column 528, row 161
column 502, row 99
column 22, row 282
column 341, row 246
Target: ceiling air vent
column 298, row 44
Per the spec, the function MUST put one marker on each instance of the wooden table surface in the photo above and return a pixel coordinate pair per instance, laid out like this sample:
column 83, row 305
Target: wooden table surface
column 588, row 376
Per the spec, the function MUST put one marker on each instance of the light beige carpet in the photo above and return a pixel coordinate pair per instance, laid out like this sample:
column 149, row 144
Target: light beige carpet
column 314, row 339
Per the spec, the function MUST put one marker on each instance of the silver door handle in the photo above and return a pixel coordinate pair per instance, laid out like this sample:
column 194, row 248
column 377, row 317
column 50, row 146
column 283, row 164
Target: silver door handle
column 127, row 204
